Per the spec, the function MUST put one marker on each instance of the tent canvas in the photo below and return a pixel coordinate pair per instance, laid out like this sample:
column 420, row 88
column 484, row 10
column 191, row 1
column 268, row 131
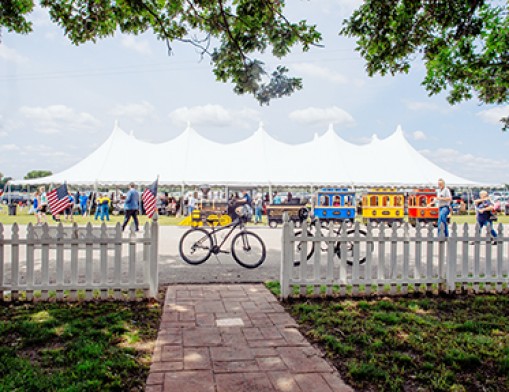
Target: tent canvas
column 259, row 160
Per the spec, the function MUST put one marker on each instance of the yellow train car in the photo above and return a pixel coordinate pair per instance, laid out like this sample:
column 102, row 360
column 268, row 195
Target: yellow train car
column 383, row 205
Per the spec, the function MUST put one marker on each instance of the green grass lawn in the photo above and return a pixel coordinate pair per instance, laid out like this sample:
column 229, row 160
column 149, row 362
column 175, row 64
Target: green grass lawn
column 412, row 344
column 22, row 218
column 84, row 346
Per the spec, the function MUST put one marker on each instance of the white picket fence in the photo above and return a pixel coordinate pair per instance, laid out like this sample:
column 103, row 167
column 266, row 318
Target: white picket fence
column 72, row 260
column 396, row 260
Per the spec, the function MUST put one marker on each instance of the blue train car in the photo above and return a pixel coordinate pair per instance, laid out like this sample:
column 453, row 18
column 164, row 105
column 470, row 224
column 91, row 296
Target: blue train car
column 334, row 204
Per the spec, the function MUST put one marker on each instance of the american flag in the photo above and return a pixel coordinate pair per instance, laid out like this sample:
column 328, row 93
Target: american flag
column 58, row 200
column 149, row 198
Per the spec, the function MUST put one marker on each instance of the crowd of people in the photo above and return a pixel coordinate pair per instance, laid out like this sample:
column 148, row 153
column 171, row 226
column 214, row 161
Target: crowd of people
column 85, row 203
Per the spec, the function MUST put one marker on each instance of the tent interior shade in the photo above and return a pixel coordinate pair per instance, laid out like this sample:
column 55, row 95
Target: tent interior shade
column 259, row 160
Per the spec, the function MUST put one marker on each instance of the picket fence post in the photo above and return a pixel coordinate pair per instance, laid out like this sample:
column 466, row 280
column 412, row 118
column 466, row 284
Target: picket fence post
column 154, row 252
column 452, row 244
column 285, row 258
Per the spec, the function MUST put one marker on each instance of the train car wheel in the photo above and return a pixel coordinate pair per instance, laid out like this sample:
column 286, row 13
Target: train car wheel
column 225, row 220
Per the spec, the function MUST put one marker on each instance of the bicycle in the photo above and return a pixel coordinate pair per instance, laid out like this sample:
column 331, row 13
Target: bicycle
column 364, row 248
column 247, row 248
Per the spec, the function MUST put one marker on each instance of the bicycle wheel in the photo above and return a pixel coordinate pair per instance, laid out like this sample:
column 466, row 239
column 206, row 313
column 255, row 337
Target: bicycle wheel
column 364, row 248
column 299, row 245
column 248, row 249
column 195, row 246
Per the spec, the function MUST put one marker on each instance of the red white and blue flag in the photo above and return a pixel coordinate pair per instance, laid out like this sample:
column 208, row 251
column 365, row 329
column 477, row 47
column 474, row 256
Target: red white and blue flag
column 58, row 199
column 149, row 198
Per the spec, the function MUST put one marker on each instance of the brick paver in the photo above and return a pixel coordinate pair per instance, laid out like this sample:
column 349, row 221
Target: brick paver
column 221, row 338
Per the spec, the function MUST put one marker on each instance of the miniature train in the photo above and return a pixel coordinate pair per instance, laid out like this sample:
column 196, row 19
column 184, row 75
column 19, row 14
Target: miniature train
column 378, row 205
column 388, row 205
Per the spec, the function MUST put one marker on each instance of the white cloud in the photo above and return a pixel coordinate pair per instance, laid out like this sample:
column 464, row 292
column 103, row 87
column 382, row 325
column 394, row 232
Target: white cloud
column 213, row 115
column 470, row 166
column 494, row 115
column 330, row 115
column 54, row 119
column 419, row 135
column 11, row 55
column 320, row 72
column 135, row 43
column 137, row 111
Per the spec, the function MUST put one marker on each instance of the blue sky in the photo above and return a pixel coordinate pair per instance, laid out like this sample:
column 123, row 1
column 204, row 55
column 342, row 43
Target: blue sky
column 59, row 102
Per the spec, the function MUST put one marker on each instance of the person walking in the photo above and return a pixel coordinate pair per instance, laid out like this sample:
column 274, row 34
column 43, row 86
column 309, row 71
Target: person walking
column 191, row 202
column 83, row 204
column 443, row 202
column 98, row 200
column 485, row 212
column 42, row 205
column 105, row 207
column 258, row 209
column 131, row 207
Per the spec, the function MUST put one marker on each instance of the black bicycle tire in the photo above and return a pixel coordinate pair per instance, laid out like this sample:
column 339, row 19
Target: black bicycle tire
column 236, row 257
column 311, row 247
column 181, row 242
column 338, row 247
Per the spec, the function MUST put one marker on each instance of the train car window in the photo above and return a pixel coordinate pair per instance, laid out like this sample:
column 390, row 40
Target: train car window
column 336, row 202
column 411, row 201
column 423, row 201
column 386, row 201
column 324, row 201
column 347, row 201
column 373, row 201
column 397, row 201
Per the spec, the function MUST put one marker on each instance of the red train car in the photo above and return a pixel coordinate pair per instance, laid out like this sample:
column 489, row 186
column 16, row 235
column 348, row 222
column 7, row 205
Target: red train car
column 418, row 211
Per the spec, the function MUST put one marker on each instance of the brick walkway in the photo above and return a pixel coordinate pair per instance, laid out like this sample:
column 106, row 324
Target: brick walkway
column 219, row 338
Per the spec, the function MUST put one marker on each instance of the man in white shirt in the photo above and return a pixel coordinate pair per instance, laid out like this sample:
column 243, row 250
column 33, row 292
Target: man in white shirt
column 443, row 202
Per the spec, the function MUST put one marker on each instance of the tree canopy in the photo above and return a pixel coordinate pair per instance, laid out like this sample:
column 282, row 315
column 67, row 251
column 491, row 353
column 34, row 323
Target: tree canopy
column 464, row 44
column 37, row 174
column 232, row 33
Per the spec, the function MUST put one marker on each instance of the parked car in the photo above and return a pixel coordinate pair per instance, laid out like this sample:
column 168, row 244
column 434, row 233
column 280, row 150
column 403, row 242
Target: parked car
column 498, row 195
column 14, row 198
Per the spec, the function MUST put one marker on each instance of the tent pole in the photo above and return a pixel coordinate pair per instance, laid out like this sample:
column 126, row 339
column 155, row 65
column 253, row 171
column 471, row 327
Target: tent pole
column 182, row 190
column 270, row 193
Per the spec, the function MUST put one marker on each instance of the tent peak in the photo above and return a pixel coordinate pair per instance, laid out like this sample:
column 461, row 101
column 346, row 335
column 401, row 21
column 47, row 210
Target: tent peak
column 399, row 130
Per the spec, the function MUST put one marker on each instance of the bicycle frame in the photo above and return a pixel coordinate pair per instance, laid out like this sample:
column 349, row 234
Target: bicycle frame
column 216, row 229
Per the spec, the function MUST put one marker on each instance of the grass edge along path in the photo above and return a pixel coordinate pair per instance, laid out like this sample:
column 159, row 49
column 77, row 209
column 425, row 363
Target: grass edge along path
column 77, row 346
column 414, row 343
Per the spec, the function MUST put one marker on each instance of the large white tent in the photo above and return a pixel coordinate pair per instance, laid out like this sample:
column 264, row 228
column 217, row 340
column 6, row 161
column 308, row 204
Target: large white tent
column 260, row 160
